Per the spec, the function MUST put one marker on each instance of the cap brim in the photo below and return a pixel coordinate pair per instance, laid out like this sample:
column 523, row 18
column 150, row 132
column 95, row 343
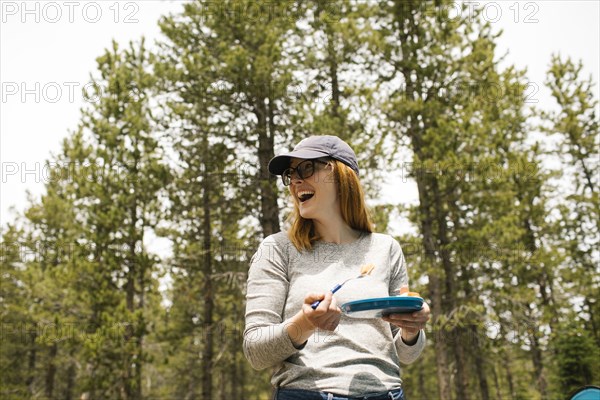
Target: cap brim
column 280, row 163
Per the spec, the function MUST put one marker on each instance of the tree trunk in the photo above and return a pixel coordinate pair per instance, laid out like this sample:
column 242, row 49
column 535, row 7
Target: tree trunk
column 269, row 216
column 474, row 347
column 331, row 60
column 51, row 371
column 421, row 381
column 135, row 274
column 496, row 383
column 462, row 382
column 333, row 72
column 242, row 379
column 594, row 326
column 70, row 379
column 223, row 386
column 477, row 352
column 129, row 331
column 462, row 387
column 538, row 366
column 207, row 351
column 235, row 379
column 536, row 353
column 31, row 365
column 544, row 280
column 509, row 377
column 441, row 356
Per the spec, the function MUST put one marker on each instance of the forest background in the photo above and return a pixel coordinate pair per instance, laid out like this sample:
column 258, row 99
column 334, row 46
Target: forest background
column 173, row 143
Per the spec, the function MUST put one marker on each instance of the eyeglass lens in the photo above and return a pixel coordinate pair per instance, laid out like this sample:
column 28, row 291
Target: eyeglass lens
column 304, row 170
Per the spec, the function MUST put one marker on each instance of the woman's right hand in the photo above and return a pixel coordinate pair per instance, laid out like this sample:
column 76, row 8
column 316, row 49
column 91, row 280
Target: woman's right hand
column 304, row 323
column 326, row 316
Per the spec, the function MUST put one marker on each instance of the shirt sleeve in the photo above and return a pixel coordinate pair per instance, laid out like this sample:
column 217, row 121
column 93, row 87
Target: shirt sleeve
column 398, row 278
column 266, row 342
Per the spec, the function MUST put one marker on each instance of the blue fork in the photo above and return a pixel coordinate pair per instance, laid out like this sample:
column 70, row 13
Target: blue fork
column 336, row 288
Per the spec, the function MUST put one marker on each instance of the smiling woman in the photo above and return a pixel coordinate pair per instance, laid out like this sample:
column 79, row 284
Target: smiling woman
column 318, row 352
column 336, row 191
column 316, row 197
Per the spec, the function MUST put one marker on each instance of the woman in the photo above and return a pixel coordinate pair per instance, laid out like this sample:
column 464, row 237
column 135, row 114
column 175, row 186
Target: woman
column 318, row 353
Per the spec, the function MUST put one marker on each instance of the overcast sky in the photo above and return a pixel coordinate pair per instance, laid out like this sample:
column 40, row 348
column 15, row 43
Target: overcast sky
column 48, row 50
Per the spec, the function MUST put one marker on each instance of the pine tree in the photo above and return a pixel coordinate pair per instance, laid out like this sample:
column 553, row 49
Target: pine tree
column 244, row 42
column 216, row 108
column 46, row 275
column 18, row 351
column 576, row 125
column 337, row 96
column 52, row 237
column 118, row 178
column 464, row 121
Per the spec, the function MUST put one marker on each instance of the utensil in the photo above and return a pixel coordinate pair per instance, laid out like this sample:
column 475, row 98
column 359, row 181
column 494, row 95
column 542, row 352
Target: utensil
column 364, row 271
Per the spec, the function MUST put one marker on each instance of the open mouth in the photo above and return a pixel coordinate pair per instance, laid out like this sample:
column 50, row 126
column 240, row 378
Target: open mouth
column 305, row 195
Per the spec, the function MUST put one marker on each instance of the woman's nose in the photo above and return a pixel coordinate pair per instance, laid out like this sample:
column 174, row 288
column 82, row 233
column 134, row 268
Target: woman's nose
column 296, row 178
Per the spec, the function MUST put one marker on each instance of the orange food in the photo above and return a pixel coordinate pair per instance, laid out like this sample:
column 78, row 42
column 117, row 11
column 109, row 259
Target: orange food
column 367, row 269
column 404, row 291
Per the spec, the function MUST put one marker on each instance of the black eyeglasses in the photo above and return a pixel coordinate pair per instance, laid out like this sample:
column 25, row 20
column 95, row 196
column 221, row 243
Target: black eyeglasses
column 305, row 169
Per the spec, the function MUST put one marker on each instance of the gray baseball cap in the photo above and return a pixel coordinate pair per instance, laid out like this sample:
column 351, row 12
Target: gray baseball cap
column 316, row 147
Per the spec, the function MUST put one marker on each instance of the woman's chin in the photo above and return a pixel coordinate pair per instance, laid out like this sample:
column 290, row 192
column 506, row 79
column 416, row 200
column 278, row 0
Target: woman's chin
column 306, row 213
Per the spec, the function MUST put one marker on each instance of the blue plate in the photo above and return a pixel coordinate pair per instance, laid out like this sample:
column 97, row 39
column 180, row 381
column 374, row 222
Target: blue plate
column 382, row 306
column 587, row 393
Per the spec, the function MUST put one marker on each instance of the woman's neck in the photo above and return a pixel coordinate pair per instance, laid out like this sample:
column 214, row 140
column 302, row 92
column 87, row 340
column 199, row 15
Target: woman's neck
column 336, row 231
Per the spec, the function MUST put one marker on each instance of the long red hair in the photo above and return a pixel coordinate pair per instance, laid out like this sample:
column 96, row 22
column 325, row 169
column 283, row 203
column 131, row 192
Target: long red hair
column 352, row 206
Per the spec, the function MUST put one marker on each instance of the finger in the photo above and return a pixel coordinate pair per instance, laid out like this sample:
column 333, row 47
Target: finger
column 325, row 302
column 415, row 317
column 422, row 312
column 407, row 324
column 419, row 318
column 333, row 305
column 400, row 317
column 312, row 297
column 334, row 310
column 413, row 326
column 312, row 301
column 402, row 323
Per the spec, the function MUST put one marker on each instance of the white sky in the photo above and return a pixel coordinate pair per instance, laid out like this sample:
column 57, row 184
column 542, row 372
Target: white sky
column 48, row 50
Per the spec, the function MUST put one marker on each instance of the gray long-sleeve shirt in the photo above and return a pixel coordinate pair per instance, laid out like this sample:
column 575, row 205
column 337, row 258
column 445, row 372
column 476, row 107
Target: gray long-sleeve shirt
column 361, row 355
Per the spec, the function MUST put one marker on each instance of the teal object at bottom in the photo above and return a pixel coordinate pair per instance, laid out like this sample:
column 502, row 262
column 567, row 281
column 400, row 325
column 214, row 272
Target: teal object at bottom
column 382, row 306
column 587, row 393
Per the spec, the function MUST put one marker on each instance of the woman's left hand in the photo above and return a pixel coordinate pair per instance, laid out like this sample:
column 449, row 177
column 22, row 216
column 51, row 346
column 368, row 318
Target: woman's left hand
column 410, row 323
